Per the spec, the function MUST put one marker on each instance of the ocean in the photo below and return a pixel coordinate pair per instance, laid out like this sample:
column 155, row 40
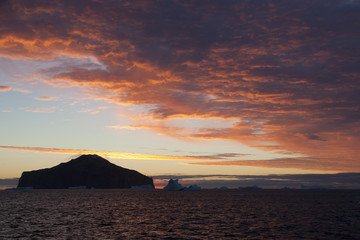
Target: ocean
column 159, row 214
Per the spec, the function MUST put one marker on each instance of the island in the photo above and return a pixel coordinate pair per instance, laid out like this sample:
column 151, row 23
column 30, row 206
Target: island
column 86, row 171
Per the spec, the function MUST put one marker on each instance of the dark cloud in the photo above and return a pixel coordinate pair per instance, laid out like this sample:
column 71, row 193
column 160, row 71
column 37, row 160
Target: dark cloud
column 295, row 163
column 8, row 183
column 288, row 71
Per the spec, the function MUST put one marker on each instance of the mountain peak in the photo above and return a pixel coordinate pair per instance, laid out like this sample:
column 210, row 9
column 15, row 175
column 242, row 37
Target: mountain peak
column 89, row 158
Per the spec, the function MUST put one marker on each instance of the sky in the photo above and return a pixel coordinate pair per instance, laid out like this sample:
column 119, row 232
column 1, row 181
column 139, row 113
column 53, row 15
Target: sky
column 172, row 88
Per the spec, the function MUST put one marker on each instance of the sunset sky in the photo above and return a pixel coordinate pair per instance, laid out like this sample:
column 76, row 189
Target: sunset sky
column 205, row 88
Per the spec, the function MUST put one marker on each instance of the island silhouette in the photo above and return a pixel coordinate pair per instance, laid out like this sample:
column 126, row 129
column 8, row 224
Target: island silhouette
column 86, row 171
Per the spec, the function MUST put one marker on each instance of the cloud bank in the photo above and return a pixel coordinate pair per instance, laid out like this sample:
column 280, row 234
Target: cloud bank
column 124, row 155
column 287, row 72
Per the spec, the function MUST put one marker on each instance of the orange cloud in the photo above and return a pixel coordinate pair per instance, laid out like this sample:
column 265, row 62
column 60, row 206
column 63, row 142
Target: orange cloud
column 123, row 155
column 176, row 132
column 289, row 81
column 108, row 154
column 21, row 90
column 44, row 98
column 39, row 109
column 5, row 88
column 31, row 49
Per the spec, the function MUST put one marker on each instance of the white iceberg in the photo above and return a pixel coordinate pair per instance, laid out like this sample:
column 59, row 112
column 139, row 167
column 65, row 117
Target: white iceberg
column 173, row 185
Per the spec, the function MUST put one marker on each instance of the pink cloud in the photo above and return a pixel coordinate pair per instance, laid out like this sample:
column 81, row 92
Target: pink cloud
column 44, row 98
column 21, row 90
column 40, row 109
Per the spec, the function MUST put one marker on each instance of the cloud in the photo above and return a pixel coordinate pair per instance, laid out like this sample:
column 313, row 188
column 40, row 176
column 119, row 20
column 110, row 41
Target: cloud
column 39, row 109
column 122, row 155
column 21, row 90
column 287, row 72
column 5, row 88
column 295, row 163
column 44, row 98
column 8, row 183
column 176, row 132
column 92, row 110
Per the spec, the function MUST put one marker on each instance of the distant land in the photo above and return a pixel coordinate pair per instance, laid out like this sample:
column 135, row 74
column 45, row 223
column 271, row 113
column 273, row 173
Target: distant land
column 86, row 171
column 274, row 181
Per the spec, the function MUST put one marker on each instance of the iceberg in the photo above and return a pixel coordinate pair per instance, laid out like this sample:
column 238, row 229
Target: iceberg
column 173, row 185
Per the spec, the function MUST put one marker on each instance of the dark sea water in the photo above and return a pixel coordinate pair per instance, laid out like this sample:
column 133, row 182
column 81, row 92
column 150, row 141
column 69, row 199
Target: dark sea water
column 205, row 214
